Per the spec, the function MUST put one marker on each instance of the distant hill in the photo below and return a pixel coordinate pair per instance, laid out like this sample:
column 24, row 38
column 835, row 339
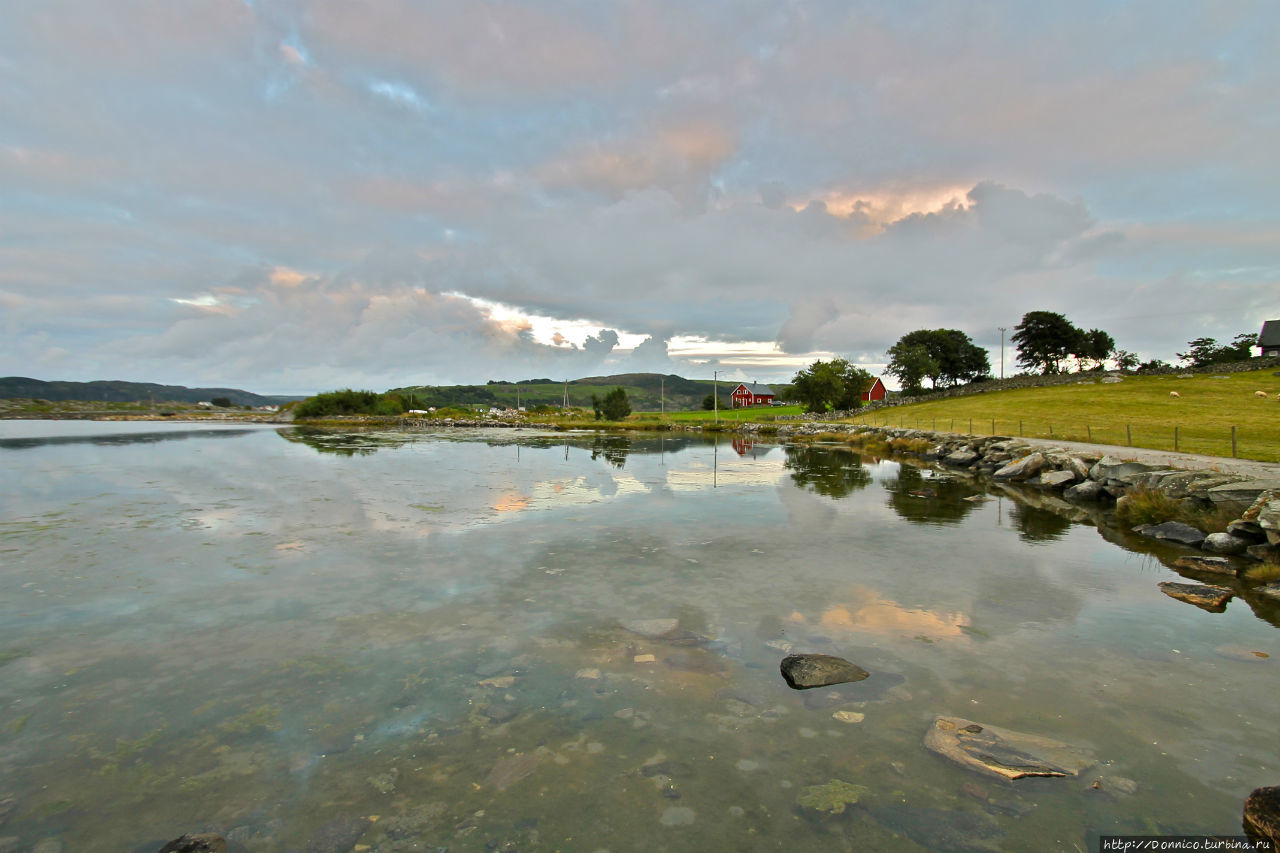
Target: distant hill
column 645, row 390
column 115, row 391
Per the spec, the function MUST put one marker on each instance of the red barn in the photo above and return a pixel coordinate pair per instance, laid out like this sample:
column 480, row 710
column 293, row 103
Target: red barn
column 875, row 392
column 751, row 395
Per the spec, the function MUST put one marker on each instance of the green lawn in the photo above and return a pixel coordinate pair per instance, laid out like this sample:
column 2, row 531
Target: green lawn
column 1138, row 411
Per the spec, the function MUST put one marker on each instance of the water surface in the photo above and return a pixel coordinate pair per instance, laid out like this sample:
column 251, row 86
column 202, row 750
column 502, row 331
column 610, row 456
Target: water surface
column 420, row 641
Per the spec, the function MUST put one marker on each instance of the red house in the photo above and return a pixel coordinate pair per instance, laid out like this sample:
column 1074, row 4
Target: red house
column 875, row 392
column 751, row 395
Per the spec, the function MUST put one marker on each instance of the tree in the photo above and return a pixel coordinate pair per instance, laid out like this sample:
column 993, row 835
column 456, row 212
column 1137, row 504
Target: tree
column 1094, row 346
column 1124, row 359
column 945, row 356
column 221, row 402
column 1205, row 351
column 1045, row 340
column 709, row 402
column 835, row 384
column 911, row 364
column 614, row 407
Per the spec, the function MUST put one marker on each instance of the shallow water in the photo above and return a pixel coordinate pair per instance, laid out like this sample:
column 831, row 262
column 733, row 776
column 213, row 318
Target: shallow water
column 418, row 641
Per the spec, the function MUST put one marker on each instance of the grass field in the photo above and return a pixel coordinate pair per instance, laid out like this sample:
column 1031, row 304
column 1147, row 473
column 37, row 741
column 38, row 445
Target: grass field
column 1138, row 411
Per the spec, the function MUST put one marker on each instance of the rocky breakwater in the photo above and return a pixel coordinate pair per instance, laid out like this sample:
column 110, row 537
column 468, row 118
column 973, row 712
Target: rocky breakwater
column 1087, row 485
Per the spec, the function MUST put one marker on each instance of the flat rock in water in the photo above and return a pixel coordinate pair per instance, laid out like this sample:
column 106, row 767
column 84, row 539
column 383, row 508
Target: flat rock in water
column 1261, row 819
column 1003, row 753
column 651, row 628
column 511, row 770
column 810, row 670
column 1211, row 598
column 1212, row 565
column 1173, row 531
column 1241, row 653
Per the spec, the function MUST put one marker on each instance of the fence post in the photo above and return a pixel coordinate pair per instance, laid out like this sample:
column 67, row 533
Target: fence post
column 1019, row 429
column 1090, row 429
column 970, row 426
column 993, row 426
column 1050, row 430
column 1128, row 433
column 1233, row 442
column 1175, row 438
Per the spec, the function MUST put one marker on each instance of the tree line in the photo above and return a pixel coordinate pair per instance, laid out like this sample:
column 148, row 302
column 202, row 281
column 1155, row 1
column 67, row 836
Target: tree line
column 1045, row 342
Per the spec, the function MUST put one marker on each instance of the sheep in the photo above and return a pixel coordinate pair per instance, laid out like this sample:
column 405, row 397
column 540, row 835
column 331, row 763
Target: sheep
column 1262, row 394
column 1174, row 394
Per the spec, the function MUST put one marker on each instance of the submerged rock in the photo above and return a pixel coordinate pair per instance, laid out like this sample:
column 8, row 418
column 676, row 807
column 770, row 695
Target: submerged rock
column 831, row 797
column 941, row 829
column 511, row 770
column 204, row 842
column 338, row 835
column 651, row 628
column 1261, row 819
column 1003, row 753
column 811, row 670
column 1211, row 598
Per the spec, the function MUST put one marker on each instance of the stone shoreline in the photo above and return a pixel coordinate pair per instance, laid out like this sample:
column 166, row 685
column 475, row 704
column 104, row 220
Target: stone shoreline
column 1086, row 484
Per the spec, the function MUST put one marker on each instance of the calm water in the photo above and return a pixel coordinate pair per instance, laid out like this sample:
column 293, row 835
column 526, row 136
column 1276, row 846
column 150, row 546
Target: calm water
column 413, row 642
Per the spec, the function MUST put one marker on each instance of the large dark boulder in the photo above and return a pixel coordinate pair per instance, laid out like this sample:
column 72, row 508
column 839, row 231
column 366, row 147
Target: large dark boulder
column 1262, row 816
column 805, row 671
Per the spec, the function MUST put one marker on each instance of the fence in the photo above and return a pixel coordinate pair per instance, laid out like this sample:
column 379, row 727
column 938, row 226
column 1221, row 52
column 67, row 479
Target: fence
column 1260, row 443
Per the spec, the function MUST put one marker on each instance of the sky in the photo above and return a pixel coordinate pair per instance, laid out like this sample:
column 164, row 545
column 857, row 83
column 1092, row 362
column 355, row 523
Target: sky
column 290, row 196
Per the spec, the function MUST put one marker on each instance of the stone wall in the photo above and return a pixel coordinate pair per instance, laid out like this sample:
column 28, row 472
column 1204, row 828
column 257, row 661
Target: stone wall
column 1075, row 479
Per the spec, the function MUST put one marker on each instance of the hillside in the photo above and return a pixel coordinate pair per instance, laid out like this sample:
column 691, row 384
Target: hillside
column 645, row 391
column 116, row 391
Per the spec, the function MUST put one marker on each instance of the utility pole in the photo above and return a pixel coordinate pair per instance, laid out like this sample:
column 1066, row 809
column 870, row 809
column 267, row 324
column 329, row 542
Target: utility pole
column 566, row 399
column 1002, row 328
column 715, row 393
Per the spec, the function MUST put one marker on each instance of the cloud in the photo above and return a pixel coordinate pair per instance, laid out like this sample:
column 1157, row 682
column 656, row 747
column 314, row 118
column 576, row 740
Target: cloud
column 601, row 344
column 187, row 187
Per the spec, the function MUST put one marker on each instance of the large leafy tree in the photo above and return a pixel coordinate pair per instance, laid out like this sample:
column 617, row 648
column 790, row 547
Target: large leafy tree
column 1094, row 346
column 943, row 356
column 1045, row 340
column 827, row 385
column 911, row 364
column 1205, row 351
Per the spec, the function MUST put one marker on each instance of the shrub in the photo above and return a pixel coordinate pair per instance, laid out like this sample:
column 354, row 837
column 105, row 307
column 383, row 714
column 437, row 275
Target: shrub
column 1152, row 506
column 348, row 402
